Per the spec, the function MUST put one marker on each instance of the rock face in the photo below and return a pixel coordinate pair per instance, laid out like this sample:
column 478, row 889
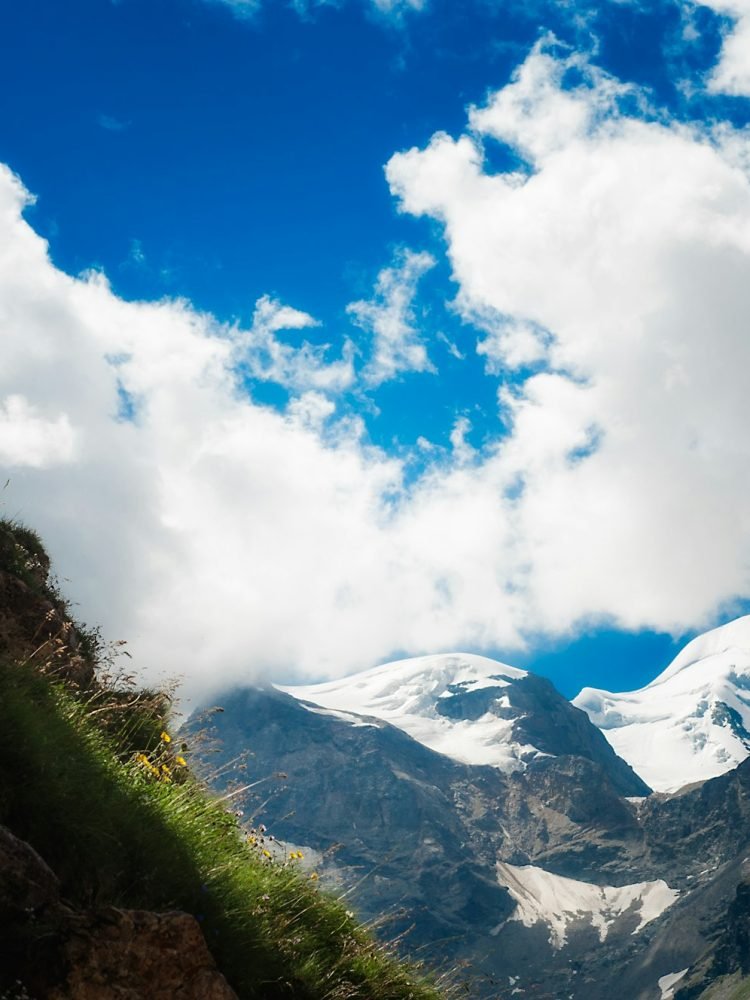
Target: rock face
column 133, row 955
column 34, row 623
column 106, row 954
column 726, row 963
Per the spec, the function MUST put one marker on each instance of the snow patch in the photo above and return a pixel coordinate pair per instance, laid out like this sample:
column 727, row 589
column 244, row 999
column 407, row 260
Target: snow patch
column 667, row 983
column 559, row 902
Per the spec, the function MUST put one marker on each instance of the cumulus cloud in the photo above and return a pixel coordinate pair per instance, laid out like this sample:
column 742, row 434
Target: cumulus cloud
column 225, row 539
column 731, row 75
column 221, row 537
column 268, row 358
column 626, row 241
column 29, row 438
column 390, row 319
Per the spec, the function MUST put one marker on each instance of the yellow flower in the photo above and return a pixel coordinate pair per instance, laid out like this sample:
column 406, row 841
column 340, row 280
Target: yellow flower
column 181, row 761
column 267, row 854
column 165, row 738
column 314, row 876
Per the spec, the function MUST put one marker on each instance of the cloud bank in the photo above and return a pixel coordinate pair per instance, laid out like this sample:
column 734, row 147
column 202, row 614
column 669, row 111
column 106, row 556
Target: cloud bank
column 606, row 284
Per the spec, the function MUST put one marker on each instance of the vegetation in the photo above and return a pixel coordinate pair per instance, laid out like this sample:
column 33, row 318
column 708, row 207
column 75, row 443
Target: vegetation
column 91, row 777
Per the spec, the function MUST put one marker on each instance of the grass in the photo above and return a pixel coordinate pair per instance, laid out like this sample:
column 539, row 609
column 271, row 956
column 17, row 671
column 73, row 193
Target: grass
column 91, row 781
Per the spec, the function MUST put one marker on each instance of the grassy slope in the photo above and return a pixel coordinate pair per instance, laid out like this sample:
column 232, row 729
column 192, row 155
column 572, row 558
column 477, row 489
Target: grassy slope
column 93, row 787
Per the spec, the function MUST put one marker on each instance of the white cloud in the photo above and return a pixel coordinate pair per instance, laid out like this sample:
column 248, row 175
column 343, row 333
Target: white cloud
column 462, row 450
column 731, row 75
column 268, row 358
column 390, row 319
column 224, row 538
column 628, row 241
column 220, row 537
column 510, row 343
column 28, row 438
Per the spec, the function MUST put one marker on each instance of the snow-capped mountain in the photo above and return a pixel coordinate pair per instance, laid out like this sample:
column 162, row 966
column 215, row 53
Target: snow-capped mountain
column 488, row 824
column 470, row 708
column 693, row 721
column 457, row 704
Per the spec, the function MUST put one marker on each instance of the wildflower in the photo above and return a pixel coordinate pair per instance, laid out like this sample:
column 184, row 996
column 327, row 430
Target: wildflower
column 267, row 854
column 181, row 761
column 314, row 877
column 165, row 737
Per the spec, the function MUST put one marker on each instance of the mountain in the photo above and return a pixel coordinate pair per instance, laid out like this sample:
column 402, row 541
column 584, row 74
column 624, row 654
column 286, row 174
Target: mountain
column 693, row 721
column 440, row 847
column 472, row 709
column 468, row 809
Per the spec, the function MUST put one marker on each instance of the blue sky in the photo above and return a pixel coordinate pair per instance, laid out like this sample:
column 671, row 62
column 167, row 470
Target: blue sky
column 473, row 366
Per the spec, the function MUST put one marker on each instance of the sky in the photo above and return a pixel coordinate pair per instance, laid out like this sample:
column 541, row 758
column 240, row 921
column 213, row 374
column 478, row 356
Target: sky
column 336, row 332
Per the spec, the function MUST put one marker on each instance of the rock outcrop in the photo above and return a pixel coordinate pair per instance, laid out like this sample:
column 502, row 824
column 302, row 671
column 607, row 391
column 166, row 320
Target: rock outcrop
column 34, row 623
column 57, row 953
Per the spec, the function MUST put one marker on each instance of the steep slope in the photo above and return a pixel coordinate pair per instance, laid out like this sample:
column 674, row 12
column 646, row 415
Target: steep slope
column 472, row 709
column 693, row 721
column 724, row 969
column 120, row 876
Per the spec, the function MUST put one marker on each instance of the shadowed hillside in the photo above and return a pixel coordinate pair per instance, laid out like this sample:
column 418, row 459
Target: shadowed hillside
column 118, row 872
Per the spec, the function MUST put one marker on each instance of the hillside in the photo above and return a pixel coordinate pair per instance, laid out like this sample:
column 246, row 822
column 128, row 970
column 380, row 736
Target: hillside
column 119, row 874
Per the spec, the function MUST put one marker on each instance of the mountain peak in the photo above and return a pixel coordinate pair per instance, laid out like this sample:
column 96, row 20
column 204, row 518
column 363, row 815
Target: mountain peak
column 690, row 723
column 422, row 695
column 472, row 709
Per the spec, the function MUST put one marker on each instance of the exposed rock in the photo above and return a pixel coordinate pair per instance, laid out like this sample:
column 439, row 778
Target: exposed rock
column 34, row 623
column 108, row 954
column 727, row 961
column 136, row 955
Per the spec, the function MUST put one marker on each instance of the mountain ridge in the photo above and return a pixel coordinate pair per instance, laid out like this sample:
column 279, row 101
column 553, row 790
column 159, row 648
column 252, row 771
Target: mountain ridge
column 692, row 722
column 472, row 709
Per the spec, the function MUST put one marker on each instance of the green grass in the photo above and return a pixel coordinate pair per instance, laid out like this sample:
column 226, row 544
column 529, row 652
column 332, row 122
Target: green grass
column 116, row 834
column 84, row 779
